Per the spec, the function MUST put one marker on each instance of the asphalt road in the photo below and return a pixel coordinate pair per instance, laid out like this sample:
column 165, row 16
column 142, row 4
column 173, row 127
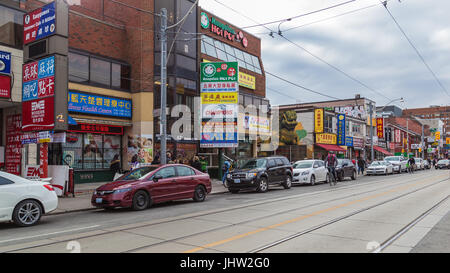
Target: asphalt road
column 354, row 216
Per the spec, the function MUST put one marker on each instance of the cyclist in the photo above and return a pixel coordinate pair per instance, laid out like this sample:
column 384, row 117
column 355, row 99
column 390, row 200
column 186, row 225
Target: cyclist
column 225, row 169
column 331, row 163
column 411, row 163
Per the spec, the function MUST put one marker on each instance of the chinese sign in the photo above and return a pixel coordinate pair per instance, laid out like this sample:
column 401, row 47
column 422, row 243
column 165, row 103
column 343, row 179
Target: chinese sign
column 96, row 129
column 5, row 62
column 99, row 105
column 39, row 23
column 38, row 115
column 437, row 136
column 247, row 81
column 219, row 93
column 326, row 138
column 398, row 136
column 352, row 111
column 349, row 141
column 38, row 79
column 380, row 128
column 340, row 129
column 318, row 119
column 13, row 153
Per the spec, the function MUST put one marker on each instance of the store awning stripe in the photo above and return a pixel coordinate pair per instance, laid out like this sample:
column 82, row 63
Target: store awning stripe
column 330, row 147
column 381, row 150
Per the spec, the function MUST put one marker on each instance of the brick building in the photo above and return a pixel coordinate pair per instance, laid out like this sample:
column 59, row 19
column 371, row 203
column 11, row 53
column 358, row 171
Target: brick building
column 433, row 112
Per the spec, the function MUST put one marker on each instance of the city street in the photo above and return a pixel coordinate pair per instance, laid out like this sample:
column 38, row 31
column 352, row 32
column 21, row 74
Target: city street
column 353, row 216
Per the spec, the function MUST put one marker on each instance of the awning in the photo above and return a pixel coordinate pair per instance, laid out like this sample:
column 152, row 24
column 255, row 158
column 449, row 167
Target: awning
column 381, row 150
column 330, row 147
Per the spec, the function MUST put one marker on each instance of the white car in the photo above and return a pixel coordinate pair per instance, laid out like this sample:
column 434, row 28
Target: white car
column 420, row 164
column 380, row 167
column 310, row 172
column 399, row 163
column 24, row 201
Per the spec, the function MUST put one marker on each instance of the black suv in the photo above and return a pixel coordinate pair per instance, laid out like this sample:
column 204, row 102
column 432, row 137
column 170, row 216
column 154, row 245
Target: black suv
column 345, row 168
column 259, row 173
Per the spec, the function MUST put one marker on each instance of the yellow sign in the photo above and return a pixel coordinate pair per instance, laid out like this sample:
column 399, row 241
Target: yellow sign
column 447, row 140
column 220, row 98
column 318, row 120
column 374, row 121
column 326, row 138
column 247, row 81
column 437, row 135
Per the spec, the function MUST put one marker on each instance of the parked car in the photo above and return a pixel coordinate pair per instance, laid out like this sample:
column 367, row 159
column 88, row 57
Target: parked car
column 399, row 163
column 144, row 186
column 259, row 173
column 310, row 172
column 426, row 164
column 345, row 168
column 24, row 201
column 380, row 167
column 420, row 163
column 443, row 164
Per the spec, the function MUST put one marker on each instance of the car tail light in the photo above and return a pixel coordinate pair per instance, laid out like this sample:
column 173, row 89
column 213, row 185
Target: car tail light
column 49, row 187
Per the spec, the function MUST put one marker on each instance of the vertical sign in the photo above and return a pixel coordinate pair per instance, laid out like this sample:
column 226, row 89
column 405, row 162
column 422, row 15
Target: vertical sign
column 39, row 23
column 341, row 129
column 13, row 153
column 380, row 126
column 318, row 121
column 398, row 137
column 219, row 94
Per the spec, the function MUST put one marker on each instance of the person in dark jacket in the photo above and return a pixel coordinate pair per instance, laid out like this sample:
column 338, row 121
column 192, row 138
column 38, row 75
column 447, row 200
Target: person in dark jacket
column 361, row 166
column 115, row 164
column 196, row 163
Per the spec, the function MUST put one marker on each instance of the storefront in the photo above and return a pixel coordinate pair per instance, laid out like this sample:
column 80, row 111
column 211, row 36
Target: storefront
column 326, row 143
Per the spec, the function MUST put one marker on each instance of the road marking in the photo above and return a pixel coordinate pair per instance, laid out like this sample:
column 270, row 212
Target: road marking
column 46, row 234
column 302, row 217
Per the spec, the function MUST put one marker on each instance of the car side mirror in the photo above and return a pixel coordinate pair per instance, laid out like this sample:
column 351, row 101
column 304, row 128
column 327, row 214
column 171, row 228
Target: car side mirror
column 157, row 177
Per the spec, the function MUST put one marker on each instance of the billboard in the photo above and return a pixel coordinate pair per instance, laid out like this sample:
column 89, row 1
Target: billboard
column 39, row 23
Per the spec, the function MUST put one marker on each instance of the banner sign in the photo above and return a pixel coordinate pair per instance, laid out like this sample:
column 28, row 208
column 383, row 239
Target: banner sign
column 39, row 23
column 5, row 62
column 219, row 72
column 96, row 129
column 257, row 124
column 398, row 136
column 220, row 98
column 380, row 128
column 349, row 141
column 341, row 129
column 326, row 138
column 13, row 150
column 247, row 81
column 318, row 121
column 5, row 86
column 99, row 105
column 358, row 143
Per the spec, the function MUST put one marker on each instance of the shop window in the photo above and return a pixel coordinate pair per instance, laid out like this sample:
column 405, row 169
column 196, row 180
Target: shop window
column 11, row 27
column 221, row 54
column 72, row 151
column 78, row 68
column 100, row 71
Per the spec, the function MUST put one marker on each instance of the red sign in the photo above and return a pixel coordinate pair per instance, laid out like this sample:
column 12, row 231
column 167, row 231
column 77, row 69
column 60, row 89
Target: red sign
column 46, row 87
column 380, row 128
column 38, row 115
column 43, row 160
column 96, row 129
column 30, row 71
column 5, row 86
column 13, row 153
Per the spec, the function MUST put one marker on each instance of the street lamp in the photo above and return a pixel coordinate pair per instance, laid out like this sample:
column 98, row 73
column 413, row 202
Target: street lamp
column 372, row 156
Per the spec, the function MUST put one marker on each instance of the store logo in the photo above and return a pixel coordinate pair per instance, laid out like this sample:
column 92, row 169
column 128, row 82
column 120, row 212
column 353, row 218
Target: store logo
column 204, row 20
column 40, row 105
column 2, row 65
column 27, row 19
column 209, row 70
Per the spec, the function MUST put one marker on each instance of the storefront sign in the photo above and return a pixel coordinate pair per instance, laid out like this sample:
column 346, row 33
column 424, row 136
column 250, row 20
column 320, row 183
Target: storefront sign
column 380, row 127
column 326, row 138
column 5, row 86
column 437, row 136
column 318, row 121
column 222, row 30
column 341, row 129
column 220, row 98
column 349, row 141
column 220, row 111
column 39, row 23
column 96, row 129
column 223, row 72
column 44, row 137
column 38, row 115
column 38, row 79
column 247, row 81
column 352, row 111
column 13, row 149
column 99, row 105
column 5, row 62
column 257, row 124
column 398, row 136
column 358, row 143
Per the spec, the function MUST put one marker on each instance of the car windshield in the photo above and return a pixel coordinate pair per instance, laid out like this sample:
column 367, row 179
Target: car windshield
column 303, row 164
column 254, row 164
column 377, row 163
column 392, row 158
column 443, row 161
column 137, row 174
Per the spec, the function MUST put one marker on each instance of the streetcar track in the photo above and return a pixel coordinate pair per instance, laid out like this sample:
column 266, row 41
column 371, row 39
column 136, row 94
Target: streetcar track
column 230, row 209
column 337, row 219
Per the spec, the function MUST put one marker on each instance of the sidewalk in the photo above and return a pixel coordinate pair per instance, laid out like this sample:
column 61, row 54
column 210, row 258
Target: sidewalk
column 83, row 193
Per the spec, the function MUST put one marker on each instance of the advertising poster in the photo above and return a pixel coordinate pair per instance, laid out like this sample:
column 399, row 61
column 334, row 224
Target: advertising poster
column 341, row 129
column 140, row 149
column 38, row 115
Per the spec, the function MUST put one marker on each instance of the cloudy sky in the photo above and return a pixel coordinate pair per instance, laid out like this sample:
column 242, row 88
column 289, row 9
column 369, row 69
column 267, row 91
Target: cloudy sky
column 360, row 40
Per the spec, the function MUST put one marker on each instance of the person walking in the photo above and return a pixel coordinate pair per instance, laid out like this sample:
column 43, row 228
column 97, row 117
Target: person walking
column 330, row 164
column 114, row 166
column 196, row 163
column 361, row 165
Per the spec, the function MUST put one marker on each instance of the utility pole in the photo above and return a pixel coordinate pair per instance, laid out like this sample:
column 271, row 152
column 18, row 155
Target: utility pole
column 371, row 133
column 407, row 137
column 163, row 118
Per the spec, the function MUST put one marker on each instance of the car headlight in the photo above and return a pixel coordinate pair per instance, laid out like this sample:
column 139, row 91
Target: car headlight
column 305, row 173
column 251, row 175
column 229, row 176
column 122, row 190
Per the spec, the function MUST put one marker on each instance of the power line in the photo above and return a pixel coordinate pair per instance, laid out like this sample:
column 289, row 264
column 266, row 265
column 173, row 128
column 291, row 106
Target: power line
column 414, row 47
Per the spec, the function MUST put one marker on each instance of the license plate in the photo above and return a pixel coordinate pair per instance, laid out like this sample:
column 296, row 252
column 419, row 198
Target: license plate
column 99, row 200
column 237, row 180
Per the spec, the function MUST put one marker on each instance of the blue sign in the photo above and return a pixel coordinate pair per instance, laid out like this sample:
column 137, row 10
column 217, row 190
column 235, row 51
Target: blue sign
column 46, row 67
column 340, row 129
column 219, row 140
column 39, row 23
column 5, row 62
column 30, row 90
column 36, row 82
column 99, row 105
column 349, row 141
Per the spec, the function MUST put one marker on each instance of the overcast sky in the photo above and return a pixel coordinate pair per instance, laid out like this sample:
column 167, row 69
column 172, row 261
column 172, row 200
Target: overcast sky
column 365, row 44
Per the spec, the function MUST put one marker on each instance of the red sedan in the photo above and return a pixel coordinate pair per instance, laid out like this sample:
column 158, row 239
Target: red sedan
column 145, row 186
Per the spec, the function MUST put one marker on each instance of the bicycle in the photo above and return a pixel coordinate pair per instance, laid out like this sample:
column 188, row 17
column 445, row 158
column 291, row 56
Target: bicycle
column 332, row 176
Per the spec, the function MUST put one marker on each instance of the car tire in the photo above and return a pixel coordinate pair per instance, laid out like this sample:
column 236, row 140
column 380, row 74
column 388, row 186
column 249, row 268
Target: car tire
column 263, row 185
column 312, row 181
column 233, row 191
column 141, row 200
column 199, row 193
column 340, row 177
column 27, row 213
column 288, row 184
column 354, row 175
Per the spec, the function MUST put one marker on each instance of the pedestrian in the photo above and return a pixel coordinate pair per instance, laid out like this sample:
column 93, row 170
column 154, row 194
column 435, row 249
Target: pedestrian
column 196, row 163
column 114, row 166
column 361, row 166
column 156, row 160
column 225, row 169
column 134, row 162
